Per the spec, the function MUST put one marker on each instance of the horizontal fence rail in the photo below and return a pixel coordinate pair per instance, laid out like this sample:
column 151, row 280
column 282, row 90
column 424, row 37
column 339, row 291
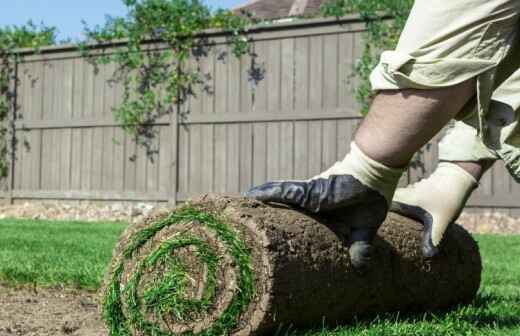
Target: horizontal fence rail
column 297, row 121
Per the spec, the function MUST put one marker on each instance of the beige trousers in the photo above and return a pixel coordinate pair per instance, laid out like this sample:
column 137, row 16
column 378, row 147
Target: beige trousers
column 445, row 43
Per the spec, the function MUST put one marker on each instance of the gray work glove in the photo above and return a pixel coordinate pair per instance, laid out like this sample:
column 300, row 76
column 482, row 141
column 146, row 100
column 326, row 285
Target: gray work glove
column 357, row 182
column 436, row 202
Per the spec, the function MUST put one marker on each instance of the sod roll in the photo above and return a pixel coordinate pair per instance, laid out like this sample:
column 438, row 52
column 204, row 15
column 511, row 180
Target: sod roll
column 230, row 266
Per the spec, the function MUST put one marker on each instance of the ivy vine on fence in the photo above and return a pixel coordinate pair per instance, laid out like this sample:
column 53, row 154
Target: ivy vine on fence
column 12, row 38
column 159, row 39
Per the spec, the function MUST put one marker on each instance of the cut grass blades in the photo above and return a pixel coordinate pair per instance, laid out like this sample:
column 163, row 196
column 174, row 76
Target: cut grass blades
column 165, row 296
column 53, row 253
column 76, row 254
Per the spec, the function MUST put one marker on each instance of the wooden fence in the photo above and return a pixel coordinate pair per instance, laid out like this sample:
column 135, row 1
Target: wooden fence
column 295, row 123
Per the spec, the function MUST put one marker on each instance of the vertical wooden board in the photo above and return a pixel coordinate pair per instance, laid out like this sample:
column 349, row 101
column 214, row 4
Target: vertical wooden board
column 221, row 80
column 259, row 153
column 56, row 159
column 152, row 163
column 65, row 158
column 262, row 88
column 273, row 75
column 46, row 159
column 330, row 138
column 273, row 151
column 315, row 148
column 246, row 90
column 141, row 172
column 330, row 71
column 51, row 160
column 48, row 90
column 302, row 67
column 345, row 70
column 246, row 156
column 119, row 159
column 89, row 95
column 221, row 158
column 118, row 143
column 19, row 157
column 79, row 87
column 486, row 184
column 286, row 150
column 97, row 158
column 30, row 159
column 195, row 157
column 107, row 177
column 165, row 160
column 184, row 158
column 287, row 69
column 110, row 90
column 130, row 162
column 316, row 84
column 345, row 136
column 301, row 150
column 76, row 160
column 194, row 103
column 208, row 95
column 36, row 92
column 514, row 186
column 209, row 155
column 36, row 165
column 86, row 158
column 233, row 84
column 233, row 158
column 357, row 52
column 501, row 179
column 99, row 93
column 56, row 111
column 67, row 96
column 23, row 91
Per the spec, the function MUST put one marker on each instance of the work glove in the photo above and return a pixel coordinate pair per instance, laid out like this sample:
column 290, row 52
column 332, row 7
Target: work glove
column 357, row 185
column 436, row 202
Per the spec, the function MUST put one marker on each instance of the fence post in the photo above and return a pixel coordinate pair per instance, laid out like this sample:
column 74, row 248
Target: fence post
column 11, row 119
column 174, row 142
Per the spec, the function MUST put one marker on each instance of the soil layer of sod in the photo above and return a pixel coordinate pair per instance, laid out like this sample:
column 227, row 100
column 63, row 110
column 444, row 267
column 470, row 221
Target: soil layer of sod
column 231, row 266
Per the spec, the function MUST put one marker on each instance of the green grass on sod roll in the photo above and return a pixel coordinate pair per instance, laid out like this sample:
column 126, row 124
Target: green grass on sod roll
column 73, row 254
column 175, row 304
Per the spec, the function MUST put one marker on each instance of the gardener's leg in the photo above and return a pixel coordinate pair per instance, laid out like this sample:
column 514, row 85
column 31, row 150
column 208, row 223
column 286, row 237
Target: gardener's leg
column 400, row 122
column 397, row 125
column 438, row 200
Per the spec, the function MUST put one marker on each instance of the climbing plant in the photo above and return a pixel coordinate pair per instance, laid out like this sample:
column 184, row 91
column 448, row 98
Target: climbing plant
column 385, row 19
column 12, row 38
column 159, row 38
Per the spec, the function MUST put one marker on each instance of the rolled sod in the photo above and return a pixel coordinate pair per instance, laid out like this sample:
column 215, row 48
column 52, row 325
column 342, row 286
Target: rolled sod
column 232, row 266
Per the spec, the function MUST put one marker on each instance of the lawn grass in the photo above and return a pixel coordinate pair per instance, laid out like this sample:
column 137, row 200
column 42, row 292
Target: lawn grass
column 75, row 254
column 54, row 253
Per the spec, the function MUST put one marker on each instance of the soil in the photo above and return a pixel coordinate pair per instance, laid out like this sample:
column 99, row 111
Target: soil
column 48, row 312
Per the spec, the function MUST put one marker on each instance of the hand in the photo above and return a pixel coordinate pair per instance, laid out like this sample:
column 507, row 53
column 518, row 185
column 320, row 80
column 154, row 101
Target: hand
column 357, row 182
column 436, row 202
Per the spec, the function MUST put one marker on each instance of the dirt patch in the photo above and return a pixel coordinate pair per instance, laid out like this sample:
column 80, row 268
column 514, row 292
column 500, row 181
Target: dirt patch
column 48, row 312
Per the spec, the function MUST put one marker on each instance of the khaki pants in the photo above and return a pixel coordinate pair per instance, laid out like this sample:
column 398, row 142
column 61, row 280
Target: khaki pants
column 445, row 43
